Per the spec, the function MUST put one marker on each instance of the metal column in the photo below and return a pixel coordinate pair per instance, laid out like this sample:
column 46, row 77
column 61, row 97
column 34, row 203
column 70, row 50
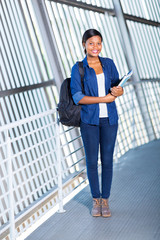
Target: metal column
column 51, row 49
column 48, row 39
column 132, row 65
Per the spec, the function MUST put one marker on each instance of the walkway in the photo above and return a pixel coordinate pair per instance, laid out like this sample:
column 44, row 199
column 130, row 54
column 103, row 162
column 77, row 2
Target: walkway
column 134, row 202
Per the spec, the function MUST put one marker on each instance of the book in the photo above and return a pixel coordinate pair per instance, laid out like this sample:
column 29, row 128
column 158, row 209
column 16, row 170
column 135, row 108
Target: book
column 125, row 78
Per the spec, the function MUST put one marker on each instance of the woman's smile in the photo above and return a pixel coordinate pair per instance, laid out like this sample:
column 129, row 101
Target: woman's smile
column 95, row 51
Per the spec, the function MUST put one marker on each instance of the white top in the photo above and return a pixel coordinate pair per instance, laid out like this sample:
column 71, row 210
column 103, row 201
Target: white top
column 103, row 112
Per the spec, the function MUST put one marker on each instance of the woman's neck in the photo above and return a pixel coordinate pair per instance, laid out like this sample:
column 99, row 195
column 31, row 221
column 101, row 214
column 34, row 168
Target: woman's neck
column 92, row 60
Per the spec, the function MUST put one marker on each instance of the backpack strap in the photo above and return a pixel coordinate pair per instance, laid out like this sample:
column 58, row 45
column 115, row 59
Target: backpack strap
column 81, row 71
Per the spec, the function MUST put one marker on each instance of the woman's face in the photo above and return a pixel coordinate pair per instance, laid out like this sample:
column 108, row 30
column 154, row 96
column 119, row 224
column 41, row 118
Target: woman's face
column 93, row 46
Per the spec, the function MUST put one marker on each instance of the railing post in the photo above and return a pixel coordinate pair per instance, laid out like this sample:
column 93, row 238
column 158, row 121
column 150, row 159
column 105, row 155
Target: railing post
column 133, row 121
column 59, row 166
column 10, row 186
column 116, row 152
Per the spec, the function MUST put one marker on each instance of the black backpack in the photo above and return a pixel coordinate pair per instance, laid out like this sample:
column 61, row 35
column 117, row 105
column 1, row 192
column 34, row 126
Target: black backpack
column 69, row 112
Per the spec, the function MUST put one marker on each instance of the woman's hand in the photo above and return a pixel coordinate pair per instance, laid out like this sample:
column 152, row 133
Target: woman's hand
column 117, row 91
column 109, row 98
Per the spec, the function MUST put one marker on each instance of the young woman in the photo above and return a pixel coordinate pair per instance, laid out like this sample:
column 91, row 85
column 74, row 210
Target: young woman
column 99, row 119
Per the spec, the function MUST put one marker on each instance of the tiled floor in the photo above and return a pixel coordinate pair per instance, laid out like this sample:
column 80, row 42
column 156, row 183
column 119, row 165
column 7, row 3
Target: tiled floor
column 134, row 202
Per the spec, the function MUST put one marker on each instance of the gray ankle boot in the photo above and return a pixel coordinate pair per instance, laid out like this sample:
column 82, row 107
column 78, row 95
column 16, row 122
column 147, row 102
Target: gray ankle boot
column 96, row 210
column 105, row 208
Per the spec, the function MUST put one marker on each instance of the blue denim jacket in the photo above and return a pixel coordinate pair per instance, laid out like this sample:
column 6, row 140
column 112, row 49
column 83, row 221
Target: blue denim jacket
column 90, row 112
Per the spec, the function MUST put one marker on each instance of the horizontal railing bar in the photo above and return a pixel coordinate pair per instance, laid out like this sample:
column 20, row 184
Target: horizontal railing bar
column 72, row 179
column 4, row 178
column 34, row 161
column 70, row 141
column 67, row 130
column 31, row 163
column 130, row 82
column 69, row 168
column 6, row 193
column 9, row 92
column 31, row 132
column 77, row 162
column 85, row 179
column 4, row 160
column 74, row 164
column 150, row 80
column 78, row 173
column 26, row 120
column 32, row 147
column 73, row 152
column 33, row 190
column 5, row 211
column 2, row 144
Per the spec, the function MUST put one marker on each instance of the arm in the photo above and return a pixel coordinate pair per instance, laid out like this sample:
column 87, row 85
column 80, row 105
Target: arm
column 75, row 85
column 92, row 100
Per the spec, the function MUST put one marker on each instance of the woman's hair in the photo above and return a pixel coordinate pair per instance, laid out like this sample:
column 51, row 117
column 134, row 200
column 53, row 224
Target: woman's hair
column 90, row 33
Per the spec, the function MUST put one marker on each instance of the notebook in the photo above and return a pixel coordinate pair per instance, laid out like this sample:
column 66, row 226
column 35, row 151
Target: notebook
column 125, row 78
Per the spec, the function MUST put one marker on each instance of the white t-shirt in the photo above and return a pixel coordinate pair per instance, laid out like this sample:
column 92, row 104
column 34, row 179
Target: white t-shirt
column 103, row 112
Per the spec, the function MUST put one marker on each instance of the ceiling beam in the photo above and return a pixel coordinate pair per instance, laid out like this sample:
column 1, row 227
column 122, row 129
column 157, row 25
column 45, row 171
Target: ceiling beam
column 102, row 10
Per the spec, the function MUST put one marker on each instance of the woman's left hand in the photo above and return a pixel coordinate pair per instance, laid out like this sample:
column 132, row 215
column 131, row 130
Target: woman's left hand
column 117, row 91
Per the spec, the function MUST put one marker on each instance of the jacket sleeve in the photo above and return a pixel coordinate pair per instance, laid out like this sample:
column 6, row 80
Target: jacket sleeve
column 76, row 88
column 115, row 75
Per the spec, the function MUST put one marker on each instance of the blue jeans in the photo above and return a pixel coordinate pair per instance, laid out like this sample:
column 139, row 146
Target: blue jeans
column 105, row 136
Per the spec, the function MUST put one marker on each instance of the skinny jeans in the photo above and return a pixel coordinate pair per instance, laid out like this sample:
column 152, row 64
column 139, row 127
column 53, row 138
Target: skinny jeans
column 103, row 136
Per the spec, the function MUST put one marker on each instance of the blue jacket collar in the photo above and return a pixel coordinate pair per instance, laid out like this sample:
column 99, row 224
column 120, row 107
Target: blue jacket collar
column 85, row 63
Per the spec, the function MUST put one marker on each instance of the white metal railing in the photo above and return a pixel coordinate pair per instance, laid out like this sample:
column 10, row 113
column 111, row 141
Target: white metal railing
column 22, row 190
column 42, row 161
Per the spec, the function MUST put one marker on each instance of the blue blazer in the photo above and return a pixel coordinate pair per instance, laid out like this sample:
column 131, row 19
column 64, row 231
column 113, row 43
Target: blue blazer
column 90, row 112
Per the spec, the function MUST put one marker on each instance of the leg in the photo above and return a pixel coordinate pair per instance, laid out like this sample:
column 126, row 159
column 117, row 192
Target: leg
column 108, row 135
column 90, row 137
